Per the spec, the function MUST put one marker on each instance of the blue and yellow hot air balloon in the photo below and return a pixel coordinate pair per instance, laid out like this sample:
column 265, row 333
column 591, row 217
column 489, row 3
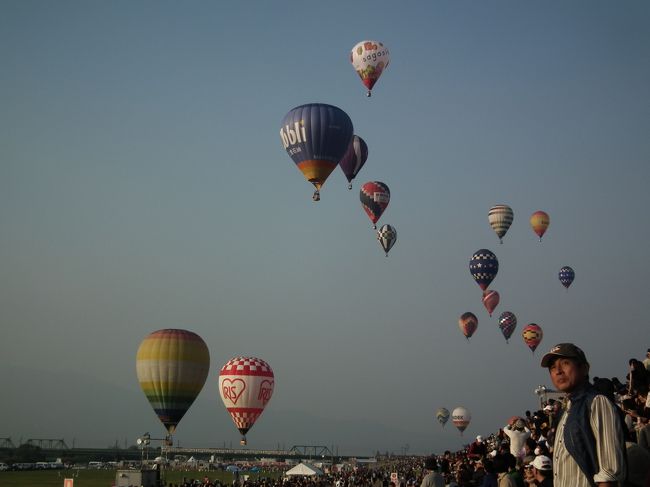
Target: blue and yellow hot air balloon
column 316, row 136
column 172, row 366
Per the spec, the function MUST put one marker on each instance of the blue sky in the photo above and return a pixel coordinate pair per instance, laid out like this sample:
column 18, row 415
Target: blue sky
column 144, row 186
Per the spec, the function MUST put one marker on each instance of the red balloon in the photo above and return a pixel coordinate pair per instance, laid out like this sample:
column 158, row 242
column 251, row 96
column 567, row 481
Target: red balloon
column 490, row 300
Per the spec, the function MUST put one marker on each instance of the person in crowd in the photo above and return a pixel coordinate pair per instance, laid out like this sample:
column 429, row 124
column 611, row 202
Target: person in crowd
column 477, row 449
column 518, row 433
column 501, row 470
column 432, row 477
column 542, row 472
column 489, row 478
column 646, row 360
column 589, row 440
column 637, row 378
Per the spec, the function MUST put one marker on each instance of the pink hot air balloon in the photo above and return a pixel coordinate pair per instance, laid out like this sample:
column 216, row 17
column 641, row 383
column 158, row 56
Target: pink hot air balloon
column 246, row 386
column 490, row 300
column 532, row 335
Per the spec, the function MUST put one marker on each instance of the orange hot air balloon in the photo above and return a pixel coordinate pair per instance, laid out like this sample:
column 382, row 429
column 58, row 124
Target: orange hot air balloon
column 540, row 221
column 532, row 335
column 490, row 300
column 468, row 323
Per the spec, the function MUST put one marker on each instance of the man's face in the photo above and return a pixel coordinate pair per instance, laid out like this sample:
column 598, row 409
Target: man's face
column 567, row 374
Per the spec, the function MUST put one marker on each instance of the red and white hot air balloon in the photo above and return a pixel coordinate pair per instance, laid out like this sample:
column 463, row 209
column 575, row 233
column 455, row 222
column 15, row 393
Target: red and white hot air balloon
column 490, row 300
column 246, row 386
column 461, row 418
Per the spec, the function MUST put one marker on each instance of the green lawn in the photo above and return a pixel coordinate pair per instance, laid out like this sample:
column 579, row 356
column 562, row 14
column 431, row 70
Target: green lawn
column 102, row 478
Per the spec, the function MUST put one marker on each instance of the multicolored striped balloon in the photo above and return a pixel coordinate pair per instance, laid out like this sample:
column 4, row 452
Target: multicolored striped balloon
column 532, row 335
column 246, row 386
column 484, row 267
column 507, row 324
column 490, row 300
column 387, row 236
column 374, row 196
column 540, row 221
column 172, row 366
column 566, row 276
column 354, row 159
column 500, row 218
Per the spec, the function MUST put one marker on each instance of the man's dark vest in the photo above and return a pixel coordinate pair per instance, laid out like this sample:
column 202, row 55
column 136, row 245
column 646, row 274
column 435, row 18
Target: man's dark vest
column 579, row 439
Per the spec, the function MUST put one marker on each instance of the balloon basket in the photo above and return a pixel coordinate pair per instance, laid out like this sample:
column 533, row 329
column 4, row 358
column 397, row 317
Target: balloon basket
column 316, row 196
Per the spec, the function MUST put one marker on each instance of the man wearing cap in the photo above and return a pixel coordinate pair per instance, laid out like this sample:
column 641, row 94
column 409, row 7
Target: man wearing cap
column 589, row 443
column 477, row 449
column 432, row 478
column 542, row 471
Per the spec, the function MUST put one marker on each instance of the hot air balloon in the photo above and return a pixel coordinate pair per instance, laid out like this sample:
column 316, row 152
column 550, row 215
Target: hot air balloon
column 540, row 222
column 316, row 136
column 490, row 300
column 461, row 418
column 387, row 236
column 532, row 335
column 500, row 218
column 468, row 323
column 507, row 324
column 374, row 196
column 566, row 276
column 354, row 159
column 369, row 59
column 246, row 386
column 442, row 415
column 484, row 267
column 172, row 366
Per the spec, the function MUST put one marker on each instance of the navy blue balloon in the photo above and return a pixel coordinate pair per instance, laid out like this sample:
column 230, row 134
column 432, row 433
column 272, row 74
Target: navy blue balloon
column 484, row 267
column 316, row 136
column 566, row 276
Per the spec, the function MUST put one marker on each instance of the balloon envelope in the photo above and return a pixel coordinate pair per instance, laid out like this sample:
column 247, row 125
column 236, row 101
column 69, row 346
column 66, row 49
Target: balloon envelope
column 369, row 59
column 461, row 418
column 566, row 276
column 316, row 136
column 532, row 335
column 354, row 158
column 172, row 366
column 374, row 196
column 539, row 221
column 490, row 300
column 387, row 236
column 468, row 323
column 500, row 218
column 246, row 386
column 442, row 415
column 507, row 324
column 484, row 267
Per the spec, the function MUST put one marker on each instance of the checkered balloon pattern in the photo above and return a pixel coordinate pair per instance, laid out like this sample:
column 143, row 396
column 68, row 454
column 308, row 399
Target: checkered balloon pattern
column 484, row 267
column 374, row 196
column 566, row 276
column 387, row 236
column 507, row 324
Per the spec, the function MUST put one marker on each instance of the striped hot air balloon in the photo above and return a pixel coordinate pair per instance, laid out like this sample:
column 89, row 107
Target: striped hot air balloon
column 172, row 366
column 500, row 218
column 354, row 159
column 490, row 300
column 246, row 386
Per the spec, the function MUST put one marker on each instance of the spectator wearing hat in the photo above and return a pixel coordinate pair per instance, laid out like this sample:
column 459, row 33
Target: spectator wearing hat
column 518, row 433
column 589, row 442
column 542, row 471
column 432, row 478
column 477, row 449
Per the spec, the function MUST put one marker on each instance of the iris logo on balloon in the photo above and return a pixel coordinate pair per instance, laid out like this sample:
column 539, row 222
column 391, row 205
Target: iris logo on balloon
column 233, row 389
column 266, row 391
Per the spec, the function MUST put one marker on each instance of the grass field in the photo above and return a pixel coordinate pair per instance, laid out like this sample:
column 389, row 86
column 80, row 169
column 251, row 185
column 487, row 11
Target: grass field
column 103, row 478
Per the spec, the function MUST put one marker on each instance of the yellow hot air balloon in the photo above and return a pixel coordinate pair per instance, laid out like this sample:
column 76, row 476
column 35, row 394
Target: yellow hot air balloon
column 540, row 222
column 172, row 366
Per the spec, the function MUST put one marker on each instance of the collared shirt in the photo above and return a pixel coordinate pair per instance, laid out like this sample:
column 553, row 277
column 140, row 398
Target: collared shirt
column 607, row 432
column 433, row 479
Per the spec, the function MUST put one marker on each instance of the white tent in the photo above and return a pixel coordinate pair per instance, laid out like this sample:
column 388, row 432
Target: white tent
column 306, row 469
